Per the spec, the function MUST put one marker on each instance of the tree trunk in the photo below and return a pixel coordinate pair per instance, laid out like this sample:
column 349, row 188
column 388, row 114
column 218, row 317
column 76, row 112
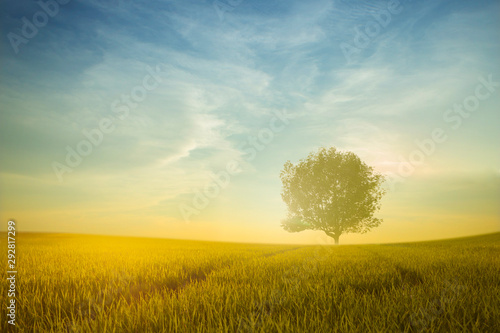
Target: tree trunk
column 334, row 236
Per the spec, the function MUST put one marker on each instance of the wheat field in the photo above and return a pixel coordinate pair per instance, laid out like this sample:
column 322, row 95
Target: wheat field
column 80, row 283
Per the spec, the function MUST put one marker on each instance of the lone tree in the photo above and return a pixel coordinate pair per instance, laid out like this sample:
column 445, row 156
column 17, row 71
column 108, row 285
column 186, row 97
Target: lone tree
column 331, row 191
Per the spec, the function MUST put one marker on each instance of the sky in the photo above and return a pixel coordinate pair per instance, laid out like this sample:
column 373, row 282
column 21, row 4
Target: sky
column 173, row 119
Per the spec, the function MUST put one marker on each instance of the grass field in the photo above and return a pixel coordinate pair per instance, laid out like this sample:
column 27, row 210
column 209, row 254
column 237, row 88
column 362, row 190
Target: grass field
column 75, row 283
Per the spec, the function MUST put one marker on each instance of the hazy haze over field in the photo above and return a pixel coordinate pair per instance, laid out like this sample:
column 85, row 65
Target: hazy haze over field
column 223, row 78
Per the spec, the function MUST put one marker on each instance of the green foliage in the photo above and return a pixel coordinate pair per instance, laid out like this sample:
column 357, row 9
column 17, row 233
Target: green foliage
column 331, row 191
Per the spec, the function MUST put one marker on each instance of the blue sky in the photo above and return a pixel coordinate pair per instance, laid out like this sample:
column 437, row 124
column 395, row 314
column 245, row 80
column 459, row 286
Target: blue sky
column 223, row 78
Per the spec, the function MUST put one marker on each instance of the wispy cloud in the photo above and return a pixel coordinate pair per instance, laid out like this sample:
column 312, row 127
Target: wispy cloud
column 222, row 80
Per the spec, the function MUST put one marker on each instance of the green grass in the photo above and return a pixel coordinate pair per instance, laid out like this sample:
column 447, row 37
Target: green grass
column 76, row 283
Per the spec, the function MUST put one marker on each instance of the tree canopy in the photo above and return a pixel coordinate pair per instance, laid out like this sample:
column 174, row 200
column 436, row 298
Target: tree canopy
column 332, row 191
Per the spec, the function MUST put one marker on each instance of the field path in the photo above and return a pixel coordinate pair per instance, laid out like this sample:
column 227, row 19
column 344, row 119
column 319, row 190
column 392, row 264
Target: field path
column 280, row 251
column 203, row 276
column 409, row 276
